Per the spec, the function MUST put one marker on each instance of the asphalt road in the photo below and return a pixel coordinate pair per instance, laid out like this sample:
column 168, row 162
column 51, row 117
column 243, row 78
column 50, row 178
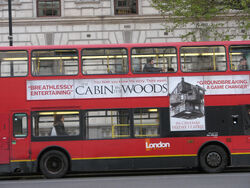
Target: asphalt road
column 179, row 180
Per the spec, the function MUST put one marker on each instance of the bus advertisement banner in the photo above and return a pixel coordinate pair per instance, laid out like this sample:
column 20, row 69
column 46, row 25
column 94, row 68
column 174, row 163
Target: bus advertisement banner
column 97, row 88
column 186, row 94
column 132, row 87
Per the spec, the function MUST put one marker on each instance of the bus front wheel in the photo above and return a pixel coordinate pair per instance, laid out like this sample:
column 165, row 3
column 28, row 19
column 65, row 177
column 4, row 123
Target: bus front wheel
column 54, row 164
column 213, row 159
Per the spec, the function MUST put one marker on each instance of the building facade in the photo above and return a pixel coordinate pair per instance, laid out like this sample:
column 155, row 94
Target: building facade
column 65, row 22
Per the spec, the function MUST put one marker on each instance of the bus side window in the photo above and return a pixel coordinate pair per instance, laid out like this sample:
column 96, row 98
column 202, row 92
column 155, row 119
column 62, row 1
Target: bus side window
column 107, row 124
column 56, row 123
column 154, row 60
column 239, row 58
column 13, row 63
column 146, row 123
column 20, row 125
column 203, row 58
column 54, row 62
column 105, row 61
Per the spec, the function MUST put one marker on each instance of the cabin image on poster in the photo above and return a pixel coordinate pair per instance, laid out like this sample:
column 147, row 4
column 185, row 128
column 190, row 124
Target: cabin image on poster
column 186, row 104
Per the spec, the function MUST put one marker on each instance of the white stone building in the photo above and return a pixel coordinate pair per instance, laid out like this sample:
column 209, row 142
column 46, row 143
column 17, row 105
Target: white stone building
column 60, row 22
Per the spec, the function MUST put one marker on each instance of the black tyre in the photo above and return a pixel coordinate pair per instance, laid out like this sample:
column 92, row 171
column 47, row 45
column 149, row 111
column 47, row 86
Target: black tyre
column 213, row 159
column 54, row 164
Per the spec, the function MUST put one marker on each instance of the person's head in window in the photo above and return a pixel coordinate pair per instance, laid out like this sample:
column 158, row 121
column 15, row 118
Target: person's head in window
column 243, row 64
column 58, row 119
column 59, row 125
column 149, row 66
column 170, row 69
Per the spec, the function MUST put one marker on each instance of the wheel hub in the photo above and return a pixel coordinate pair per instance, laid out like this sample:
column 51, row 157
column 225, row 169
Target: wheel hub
column 214, row 159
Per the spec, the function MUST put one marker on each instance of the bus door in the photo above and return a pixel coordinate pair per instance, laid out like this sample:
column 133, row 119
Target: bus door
column 4, row 140
column 20, row 141
column 246, row 121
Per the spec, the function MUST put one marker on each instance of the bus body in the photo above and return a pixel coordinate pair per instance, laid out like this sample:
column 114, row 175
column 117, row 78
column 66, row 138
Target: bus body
column 192, row 112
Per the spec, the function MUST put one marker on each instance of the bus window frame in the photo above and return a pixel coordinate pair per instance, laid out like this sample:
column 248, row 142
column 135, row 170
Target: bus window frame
column 130, row 115
column 159, row 127
column 28, row 58
column 131, row 112
column 82, row 131
column 27, row 126
column 230, row 59
column 81, row 57
column 176, row 53
column 226, row 59
column 49, row 49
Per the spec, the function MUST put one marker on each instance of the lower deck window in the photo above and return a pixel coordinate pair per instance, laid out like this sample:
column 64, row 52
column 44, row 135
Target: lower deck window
column 146, row 123
column 61, row 123
column 104, row 124
column 20, row 125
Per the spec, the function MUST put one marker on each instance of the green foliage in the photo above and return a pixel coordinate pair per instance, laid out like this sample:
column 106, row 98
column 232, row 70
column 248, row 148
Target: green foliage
column 209, row 19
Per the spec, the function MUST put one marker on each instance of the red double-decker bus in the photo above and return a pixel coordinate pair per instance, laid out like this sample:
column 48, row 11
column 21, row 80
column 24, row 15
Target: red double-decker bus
column 124, row 107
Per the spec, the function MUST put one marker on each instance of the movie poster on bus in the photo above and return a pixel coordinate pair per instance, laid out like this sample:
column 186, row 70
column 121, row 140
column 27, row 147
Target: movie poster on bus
column 121, row 87
column 97, row 88
column 187, row 111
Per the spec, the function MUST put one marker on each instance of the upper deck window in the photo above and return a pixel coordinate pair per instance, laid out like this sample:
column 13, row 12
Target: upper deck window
column 239, row 58
column 125, row 7
column 48, row 8
column 154, row 60
column 203, row 58
column 105, row 61
column 13, row 63
column 54, row 62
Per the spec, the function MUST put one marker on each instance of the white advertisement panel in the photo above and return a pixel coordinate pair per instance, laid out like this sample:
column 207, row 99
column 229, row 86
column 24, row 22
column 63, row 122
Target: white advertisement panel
column 96, row 88
column 223, row 85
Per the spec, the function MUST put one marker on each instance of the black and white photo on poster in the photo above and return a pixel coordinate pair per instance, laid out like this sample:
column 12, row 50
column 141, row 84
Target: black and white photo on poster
column 187, row 111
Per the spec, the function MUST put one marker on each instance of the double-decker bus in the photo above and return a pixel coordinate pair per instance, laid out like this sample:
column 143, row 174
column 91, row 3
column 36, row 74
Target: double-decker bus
column 124, row 107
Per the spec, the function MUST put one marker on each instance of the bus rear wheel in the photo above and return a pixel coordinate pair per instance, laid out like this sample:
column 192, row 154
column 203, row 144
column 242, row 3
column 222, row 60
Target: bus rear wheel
column 54, row 164
column 213, row 159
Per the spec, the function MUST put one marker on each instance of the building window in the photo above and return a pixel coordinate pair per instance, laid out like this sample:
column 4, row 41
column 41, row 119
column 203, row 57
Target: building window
column 48, row 8
column 126, row 7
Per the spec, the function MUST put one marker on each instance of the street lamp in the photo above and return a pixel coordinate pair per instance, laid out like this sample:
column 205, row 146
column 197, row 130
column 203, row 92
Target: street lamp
column 10, row 23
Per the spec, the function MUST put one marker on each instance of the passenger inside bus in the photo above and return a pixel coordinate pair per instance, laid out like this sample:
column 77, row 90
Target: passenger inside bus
column 149, row 66
column 170, row 69
column 58, row 129
column 243, row 64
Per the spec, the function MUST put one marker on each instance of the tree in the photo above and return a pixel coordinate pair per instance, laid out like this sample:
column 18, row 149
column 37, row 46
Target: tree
column 206, row 19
